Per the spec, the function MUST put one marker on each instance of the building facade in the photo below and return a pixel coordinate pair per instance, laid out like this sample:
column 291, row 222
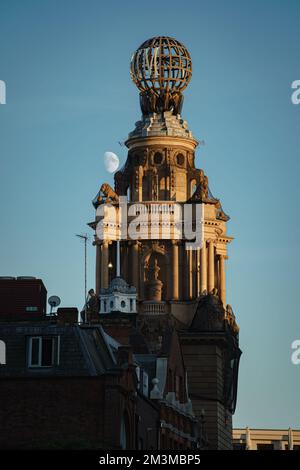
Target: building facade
column 154, row 363
column 178, row 286
column 65, row 385
column 266, row 439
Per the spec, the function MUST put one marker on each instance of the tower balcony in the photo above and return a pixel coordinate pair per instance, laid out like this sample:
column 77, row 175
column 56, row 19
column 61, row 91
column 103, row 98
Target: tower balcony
column 164, row 220
column 154, row 308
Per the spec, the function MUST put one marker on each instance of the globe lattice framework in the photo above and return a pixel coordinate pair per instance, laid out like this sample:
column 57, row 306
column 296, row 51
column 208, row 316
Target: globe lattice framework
column 161, row 68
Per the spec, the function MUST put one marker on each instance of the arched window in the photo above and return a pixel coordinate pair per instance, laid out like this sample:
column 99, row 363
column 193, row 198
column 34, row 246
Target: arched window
column 157, row 158
column 164, row 187
column 145, row 188
column 193, row 187
column 180, row 159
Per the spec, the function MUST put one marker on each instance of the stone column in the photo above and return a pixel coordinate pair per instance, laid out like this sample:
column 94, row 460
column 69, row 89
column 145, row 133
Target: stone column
column 175, row 275
column 104, row 265
column 98, row 268
column 203, row 269
column 222, row 279
column 124, row 260
column 185, row 272
column 190, row 254
column 217, row 273
column 140, row 179
column 198, row 286
column 135, row 264
column 211, row 266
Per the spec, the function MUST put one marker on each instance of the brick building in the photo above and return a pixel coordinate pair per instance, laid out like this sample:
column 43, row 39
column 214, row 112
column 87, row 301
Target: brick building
column 70, row 385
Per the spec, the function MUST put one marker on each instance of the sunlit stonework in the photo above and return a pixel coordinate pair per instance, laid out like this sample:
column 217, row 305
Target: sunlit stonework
column 176, row 288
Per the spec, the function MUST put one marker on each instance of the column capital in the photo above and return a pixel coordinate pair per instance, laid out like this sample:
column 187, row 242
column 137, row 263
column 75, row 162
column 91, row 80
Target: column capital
column 99, row 242
column 211, row 265
column 133, row 242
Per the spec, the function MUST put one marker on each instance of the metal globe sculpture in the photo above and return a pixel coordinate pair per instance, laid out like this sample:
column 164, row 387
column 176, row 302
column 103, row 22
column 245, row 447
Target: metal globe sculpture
column 161, row 68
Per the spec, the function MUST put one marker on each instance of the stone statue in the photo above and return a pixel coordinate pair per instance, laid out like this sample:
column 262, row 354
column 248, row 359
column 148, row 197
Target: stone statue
column 153, row 284
column 153, row 271
column 201, row 193
column 109, row 193
column 230, row 318
column 92, row 308
column 93, row 302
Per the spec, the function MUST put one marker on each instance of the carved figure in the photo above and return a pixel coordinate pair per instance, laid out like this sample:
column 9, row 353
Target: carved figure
column 109, row 193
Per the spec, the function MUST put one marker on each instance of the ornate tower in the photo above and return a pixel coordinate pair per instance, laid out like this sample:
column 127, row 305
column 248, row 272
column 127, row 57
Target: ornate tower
column 175, row 286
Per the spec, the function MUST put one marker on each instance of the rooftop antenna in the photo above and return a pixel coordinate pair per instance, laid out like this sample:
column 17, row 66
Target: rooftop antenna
column 85, row 238
column 53, row 301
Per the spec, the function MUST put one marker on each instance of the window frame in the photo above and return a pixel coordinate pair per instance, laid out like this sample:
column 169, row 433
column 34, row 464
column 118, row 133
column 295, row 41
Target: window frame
column 54, row 356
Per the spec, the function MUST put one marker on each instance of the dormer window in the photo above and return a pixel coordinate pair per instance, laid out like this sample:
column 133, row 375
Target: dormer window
column 43, row 351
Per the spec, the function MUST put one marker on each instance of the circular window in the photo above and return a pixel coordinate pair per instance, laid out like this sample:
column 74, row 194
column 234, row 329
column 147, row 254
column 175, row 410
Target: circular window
column 123, row 304
column 158, row 158
column 180, row 159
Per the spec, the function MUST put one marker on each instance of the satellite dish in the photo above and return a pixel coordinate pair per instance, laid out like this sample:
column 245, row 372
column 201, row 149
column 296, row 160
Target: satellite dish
column 53, row 301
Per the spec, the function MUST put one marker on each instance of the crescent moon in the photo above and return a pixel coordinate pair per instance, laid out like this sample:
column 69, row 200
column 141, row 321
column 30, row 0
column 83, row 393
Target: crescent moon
column 111, row 162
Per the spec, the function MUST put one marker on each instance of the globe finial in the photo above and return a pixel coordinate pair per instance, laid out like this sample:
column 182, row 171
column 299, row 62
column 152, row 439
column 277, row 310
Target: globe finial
column 161, row 68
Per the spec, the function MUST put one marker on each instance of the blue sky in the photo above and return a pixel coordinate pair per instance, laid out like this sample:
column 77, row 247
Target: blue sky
column 70, row 98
